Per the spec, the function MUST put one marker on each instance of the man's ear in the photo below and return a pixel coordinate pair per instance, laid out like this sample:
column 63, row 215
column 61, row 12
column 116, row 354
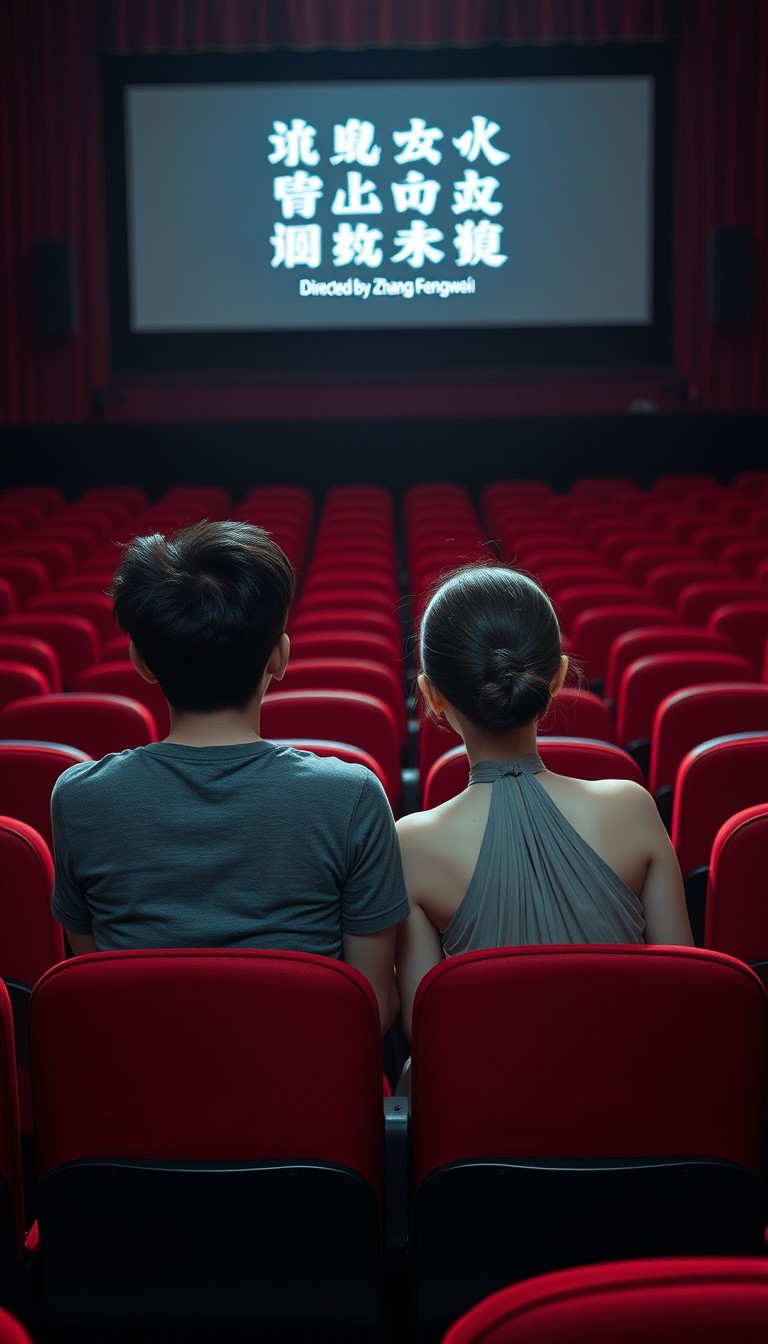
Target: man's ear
column 432, row 697
column 557, row 681
column 140, row 665
column 278, row 658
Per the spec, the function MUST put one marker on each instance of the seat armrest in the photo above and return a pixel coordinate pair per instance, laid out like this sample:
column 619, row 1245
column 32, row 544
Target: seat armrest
column 397, row 1176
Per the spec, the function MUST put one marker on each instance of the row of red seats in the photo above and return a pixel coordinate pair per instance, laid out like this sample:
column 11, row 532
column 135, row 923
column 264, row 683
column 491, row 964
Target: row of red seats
column 542, row 1131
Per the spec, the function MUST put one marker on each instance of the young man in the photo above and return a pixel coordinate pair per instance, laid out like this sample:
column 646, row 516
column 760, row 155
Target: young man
column 214, row 837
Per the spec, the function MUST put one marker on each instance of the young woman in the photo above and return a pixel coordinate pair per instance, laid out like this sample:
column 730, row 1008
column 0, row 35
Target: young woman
column 522, row 855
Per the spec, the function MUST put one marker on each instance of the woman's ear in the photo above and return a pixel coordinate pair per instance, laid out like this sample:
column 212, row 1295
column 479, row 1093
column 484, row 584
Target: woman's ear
column 140, row 665
column 278, row 658
column 432, row 697
column 557, row 681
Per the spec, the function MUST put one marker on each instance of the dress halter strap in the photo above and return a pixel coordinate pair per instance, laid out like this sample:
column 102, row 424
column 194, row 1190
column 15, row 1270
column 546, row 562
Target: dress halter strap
column 487, row 772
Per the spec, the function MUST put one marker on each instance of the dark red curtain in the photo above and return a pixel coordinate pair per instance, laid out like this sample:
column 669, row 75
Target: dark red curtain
column 51, row 186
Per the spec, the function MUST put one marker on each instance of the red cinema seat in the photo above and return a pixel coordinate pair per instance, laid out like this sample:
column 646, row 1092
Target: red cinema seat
column 11, row 1189
column 373, row 598
column 646, row 681
column 736, row 919
column 665, row 583
column 346, row 643
column 28, row 772
column 745, row 626
column 593, row 631
column 96, row 607
column 697, row 601
column 121, row 678
column 341, row 716
column 693, row 715
column 350, row 618
column 31, row 940
column 73, row 638
column 238, row 1194
column 563, row 1096
column 702, row 1300
column 94, row 723
column 8, row 604
column 574, row 712
column 657, row 639
column 27, row 577
column 21, row 679
column 582, row 597
column 34, row 653
column 56, row 557
column 745, row 556
column 714, row 781
column 350, row 674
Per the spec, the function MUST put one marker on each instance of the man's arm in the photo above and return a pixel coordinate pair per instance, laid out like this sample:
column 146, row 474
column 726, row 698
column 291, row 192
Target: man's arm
column 373, row 954
column 80, row 942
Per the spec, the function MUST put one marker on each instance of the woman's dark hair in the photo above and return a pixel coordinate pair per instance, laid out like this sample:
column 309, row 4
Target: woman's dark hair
column 490, row 644
column 205, row 609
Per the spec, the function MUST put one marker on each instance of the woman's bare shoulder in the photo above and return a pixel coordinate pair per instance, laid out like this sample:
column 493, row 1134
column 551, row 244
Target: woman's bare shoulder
column 425, row 828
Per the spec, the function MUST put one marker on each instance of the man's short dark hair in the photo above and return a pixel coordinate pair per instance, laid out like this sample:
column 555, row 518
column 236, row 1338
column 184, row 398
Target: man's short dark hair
column 205, row 609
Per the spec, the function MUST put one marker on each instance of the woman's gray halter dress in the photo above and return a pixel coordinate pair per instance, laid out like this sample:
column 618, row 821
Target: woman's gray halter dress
column 536, row 880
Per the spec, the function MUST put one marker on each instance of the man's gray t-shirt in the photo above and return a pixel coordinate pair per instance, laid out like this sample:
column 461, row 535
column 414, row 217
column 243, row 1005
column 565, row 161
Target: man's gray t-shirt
column 253, row 845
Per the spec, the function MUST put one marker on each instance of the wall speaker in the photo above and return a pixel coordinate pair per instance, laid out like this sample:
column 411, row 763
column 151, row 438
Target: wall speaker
column 731, row 265
column 54, row 287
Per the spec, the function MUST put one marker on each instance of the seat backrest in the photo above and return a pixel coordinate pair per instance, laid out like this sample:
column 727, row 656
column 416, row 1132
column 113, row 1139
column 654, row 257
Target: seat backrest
column 28, row 772
column 31, row 940
column 697, row 601
column 27, row 576
column 583, row 596
column 574, row 712
column 351, row 618
column 697, row 713
column 737, row 910
column 11, row 1190
column 501, row 1066
column 714, row 781
column 562, row 1095
column 33, row 652
column 18, row 680
column 745, row 625
column 236, row 1049
column 342, row 716
column 646, row 681
column 121, row 678
column 594, row 629
column 94, row 722
column 346, row 643
column 639, row 642
column 96, row 607
column 665, row 582
column 704, row 1300
column 353, row 674
column 74, row 638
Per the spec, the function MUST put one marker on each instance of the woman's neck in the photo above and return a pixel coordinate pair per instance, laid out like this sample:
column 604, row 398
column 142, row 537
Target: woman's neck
column 483, row 746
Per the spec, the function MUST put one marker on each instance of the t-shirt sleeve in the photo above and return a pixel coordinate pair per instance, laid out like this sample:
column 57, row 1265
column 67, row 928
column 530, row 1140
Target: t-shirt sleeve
column 68, row 904
column 373, row 896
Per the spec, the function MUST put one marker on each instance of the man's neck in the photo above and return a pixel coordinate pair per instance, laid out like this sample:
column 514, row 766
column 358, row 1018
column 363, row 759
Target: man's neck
column 225, row 728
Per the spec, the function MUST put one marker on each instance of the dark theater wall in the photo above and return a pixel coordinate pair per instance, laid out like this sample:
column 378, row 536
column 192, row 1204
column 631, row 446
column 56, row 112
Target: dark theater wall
column 51, row 186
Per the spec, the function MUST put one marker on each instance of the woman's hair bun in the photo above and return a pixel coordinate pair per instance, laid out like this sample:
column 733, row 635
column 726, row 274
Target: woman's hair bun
column 510, row 694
